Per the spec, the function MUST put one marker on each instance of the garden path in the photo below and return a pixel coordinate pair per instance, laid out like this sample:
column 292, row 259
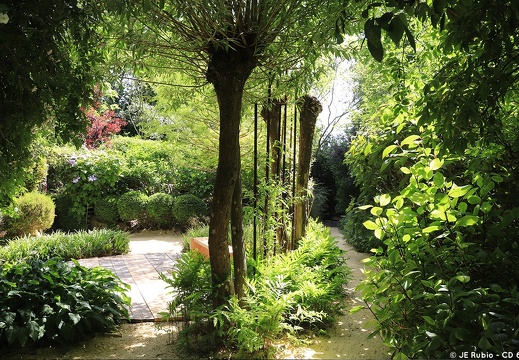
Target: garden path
column 151, row 253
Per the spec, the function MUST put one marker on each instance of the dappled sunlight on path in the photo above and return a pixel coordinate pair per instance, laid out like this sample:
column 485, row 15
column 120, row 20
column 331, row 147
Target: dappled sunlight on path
column 348, row 339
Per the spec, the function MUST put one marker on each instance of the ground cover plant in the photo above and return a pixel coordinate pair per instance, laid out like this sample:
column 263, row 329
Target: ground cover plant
column 289, row 293
column 49, row 302
column 79, row 245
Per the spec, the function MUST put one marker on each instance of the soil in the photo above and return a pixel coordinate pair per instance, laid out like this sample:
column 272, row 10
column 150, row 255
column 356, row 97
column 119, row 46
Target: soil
column 348, row 339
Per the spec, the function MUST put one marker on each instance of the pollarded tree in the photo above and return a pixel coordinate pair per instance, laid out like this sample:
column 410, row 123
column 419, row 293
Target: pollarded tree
column 226, row 40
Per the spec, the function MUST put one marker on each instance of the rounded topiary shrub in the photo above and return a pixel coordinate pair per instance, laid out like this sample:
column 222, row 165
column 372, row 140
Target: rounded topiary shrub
column 132, row 206
column 158, row 210
column 34, row 213
column 105, row 211
column 187, row 208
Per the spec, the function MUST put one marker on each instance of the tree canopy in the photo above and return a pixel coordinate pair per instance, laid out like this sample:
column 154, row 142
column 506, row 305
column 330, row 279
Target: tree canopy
column 48, row 55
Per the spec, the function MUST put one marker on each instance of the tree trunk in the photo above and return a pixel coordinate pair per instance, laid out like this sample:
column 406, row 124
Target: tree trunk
column 228, row 72
column 272, row 117
column 310, row 109
column 238, row 245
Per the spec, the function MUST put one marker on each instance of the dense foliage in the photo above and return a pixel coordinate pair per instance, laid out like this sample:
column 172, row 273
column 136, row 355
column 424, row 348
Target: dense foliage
column 48, row 53
column 159, row 210
column 435, row 149
column 132, row 206
column 34, row 213
column 79, row 178
column 52, row 302
column 105, row 211
column 290, row 292
column 78, row 245
column 448, row 280
column 187, row 209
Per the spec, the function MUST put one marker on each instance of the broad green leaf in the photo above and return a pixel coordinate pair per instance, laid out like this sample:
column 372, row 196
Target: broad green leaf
column 450, row 216
column 497, row 178
column 396, row 29
column 372, row 31
column 405, row 170
column 367, row 149
column 467, row 220
column 436, row 163
column 409, row 140
column 462, row 207
column 463, row 278
column 370, row 225
column 356, row 309
column 430, row 229
column 400, row 356
column 486, row 207
column 484, row 344
column 474, row 200
column 377, row 211
column 74, row 317
column 35, row 331
column 388, row 150
column 429, row 320
column 384, row 199
column 458, row 191
column 462, row 334
column 399, row 202
column 410, row 37
column 379, row 233
column 364, row 207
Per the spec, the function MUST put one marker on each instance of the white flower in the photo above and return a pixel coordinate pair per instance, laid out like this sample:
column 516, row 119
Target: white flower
column 4, row 19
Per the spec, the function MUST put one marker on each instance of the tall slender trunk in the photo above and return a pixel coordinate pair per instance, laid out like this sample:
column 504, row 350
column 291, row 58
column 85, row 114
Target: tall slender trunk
column 228, row 72
column 229, row 92
column 310, row 109
column 238, row 245
column 272, row 115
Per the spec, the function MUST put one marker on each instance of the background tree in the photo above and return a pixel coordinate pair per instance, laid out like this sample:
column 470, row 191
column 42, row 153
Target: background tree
column 225, row 41
column 48, row 53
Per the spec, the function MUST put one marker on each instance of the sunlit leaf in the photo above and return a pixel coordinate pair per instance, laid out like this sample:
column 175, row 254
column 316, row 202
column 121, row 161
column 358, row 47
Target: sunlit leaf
column 409, row 140
column 384, row 199
column 458, row 191
column 463, row 278
column 370, row 225
column 436, row 163
column 467, row 220
column 356, row 309
column 388, row 150
column 376, row 211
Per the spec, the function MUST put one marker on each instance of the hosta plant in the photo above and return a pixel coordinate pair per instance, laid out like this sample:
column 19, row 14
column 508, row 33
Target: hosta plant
column 53, row 302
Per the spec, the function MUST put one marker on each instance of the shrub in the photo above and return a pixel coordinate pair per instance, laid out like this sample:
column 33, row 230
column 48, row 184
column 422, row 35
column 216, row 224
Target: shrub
column 52, row 302
column 83, row 244
column 132, row 206
column 34, row 213
column 158, row 210
column 446, row 283
column 355, row 234
column 187, row 208
column 105, row 210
